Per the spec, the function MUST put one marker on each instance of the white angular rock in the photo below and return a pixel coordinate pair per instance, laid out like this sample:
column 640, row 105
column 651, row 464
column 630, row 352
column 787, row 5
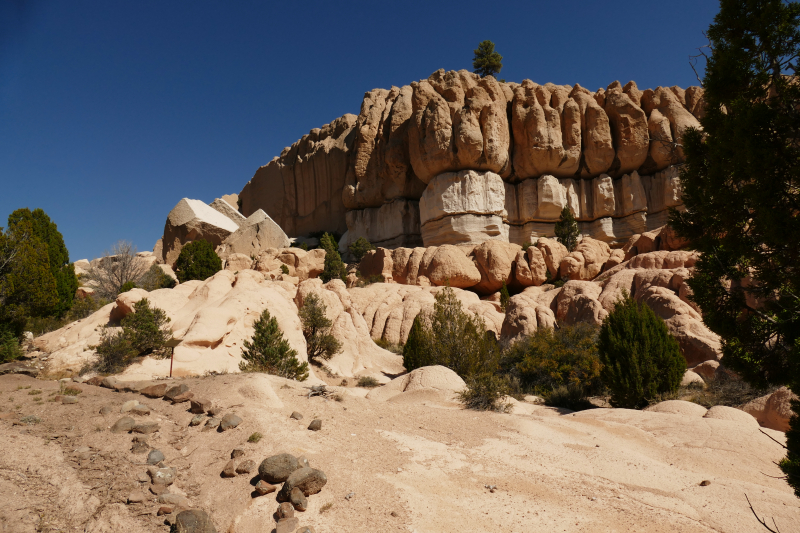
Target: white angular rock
column 229, row 211
column 192, row 220
column 258, row 233
column 458, row 193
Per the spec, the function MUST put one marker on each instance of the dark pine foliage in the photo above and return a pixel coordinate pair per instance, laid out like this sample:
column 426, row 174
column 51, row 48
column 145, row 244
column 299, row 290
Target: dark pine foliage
column 197, row 260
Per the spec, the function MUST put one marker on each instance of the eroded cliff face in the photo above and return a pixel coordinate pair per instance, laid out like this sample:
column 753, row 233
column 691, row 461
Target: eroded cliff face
column 462, row 159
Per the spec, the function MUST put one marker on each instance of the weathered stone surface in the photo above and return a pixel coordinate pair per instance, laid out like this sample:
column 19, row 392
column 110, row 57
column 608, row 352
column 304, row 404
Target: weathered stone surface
column 191, row 220
column 458, row 193
column 230, row 211
column 123, row 425
column 146, row 427
column 193, row 521
column 200, row 405
column 315, row 425
column 628, row 129
column 277, row 468
column 155, row 457
column 262, row 488
column 230, row 469
column 773, row 410
column 395, row 223
column 302, row 190
column 257, row 233
column 175, row 391
column 229, row 421
column 155, row 391
column 308, row 480
column 448, row 264
column 494, row 260
column 246, row 466
column 298, row 500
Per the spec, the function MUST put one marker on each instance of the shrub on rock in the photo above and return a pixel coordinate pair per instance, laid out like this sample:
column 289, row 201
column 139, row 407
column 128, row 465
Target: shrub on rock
column 640, row 358
column 321, row 344
column 450, row 337
column 197, row 260
column 359, row 248
column 146, row 328
column 270, row 352
column 334, row 267
column 114, row 352
column 485, row 392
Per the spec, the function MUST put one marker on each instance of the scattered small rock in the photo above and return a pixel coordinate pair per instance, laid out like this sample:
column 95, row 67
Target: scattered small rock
column 394, row 514
column 285, row 510
column 230, row 469
column 237, row 452
column 245, row 467
column 109, row 382
column 705, row 483
column 193, row 521
column 123, row 425
column 303, row 462
column 155, row 391
column 105, row 410
column 164, row 509
column 127, row 406
column 140, row 410
column 175, row 391
column 309, row 480
column 197, row 420
column 229, row 421
column 298, row 500
column 213, row 423
column 278, row 468
column 349, row 496
column 306, row 529
column 159, row 489
column 164, row 476
column 140, row 444
column 287, row 525
column 78, row 379
column 214, row 411
column 296, row 416
column 82, row 453
column 95, row 381
column 184, row 397
column 155, row 457
column 315, row 425
column 137, row 497
column 73, row 388
column 262, row 487
column 199, row 405
column 68, row 400
column 176, row 500
column 146, row 427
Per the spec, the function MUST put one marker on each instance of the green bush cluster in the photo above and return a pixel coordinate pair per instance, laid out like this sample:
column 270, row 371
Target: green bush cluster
column 360, row 248
column 155, row 278
column 317, row 329
column 197, row 260
column 334, row 267
column 145, row 331
column 268, row 351
column 640, row 358
column 566, row 229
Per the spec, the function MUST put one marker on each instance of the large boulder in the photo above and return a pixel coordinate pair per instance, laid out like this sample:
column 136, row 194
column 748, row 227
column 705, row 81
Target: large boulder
column 772, row 410
column 449, row 265
column 437, row 383
column 258, row 232
column 192, row 220
column 222, row 205
column 494, row 260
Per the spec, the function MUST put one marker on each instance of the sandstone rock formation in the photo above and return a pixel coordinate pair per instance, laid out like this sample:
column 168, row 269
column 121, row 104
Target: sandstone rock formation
column 421, row 164
column 258, row 232
column 192, row 220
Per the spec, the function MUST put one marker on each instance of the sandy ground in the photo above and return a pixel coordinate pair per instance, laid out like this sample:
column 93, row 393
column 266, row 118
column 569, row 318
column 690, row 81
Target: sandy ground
column 413, row 465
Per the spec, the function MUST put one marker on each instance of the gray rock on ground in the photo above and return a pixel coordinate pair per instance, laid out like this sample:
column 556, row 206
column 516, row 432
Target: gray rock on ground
column 308, row 480
column 193, row 521
column 229, row 421
column 175, row 391
column 123, row 425
column 246, row 466
column 155, row 457
column 262, row 487
column 298, row 500
column 278, row 468
column 315, row 425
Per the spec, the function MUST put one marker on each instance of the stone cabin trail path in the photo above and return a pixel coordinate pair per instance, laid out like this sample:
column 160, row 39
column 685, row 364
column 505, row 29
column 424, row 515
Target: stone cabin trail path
column 411, row 464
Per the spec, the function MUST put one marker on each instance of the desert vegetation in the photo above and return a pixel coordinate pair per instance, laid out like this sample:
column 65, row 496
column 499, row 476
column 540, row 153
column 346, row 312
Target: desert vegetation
column 197, row 260
column 268, row 351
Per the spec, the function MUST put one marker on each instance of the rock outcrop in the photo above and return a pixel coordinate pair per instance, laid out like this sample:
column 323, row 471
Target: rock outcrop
column 192, row 220
column 258, row 232
column 426, row 163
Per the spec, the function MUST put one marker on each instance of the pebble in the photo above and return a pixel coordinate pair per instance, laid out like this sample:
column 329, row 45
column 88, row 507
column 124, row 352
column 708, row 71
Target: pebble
column 84, row 452
column 245, row 467
column 127, row 406
column 285, row 510
column 155, row 391
column 278, row 468
column 309, row 480
column 164, row 476
column 197, row 420
column 315, row 425
column 306, row 529
column 348, row 497
column 146, row 427
column 140, row 410
column 177, row 390
column 123, row 425
column 199, row 405
column 155, row 457
column 298, row 500
column 303, row 462
column 229, row 421
column 176, row 500
column 137, row 497
column 230, row 469
column 705, row 483
column 214, row 411
column 237, row 452
column 296, row 416
column 164, row 509
column 184, row 397
column 262, row 487
column 67, row 400
column 105, row 410
column 194, row 521
column 213, row 423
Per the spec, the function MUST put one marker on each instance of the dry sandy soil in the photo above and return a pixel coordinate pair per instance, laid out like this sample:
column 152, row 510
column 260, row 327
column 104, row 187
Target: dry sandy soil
column 414, row 464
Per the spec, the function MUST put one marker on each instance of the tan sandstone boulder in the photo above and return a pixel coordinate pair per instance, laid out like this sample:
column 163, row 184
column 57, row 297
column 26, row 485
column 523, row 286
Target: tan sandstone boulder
column 773, row 410
column 258, row 233
column 192, row 220
column 428, row 383
column 494, row 260
column 448, row 264
column 586, row 261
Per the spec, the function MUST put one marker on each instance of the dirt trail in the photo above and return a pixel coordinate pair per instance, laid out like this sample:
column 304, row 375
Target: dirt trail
column 413, row 465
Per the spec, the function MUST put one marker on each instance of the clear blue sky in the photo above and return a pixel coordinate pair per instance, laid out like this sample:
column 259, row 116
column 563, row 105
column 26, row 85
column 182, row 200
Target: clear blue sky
column 112, row 111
